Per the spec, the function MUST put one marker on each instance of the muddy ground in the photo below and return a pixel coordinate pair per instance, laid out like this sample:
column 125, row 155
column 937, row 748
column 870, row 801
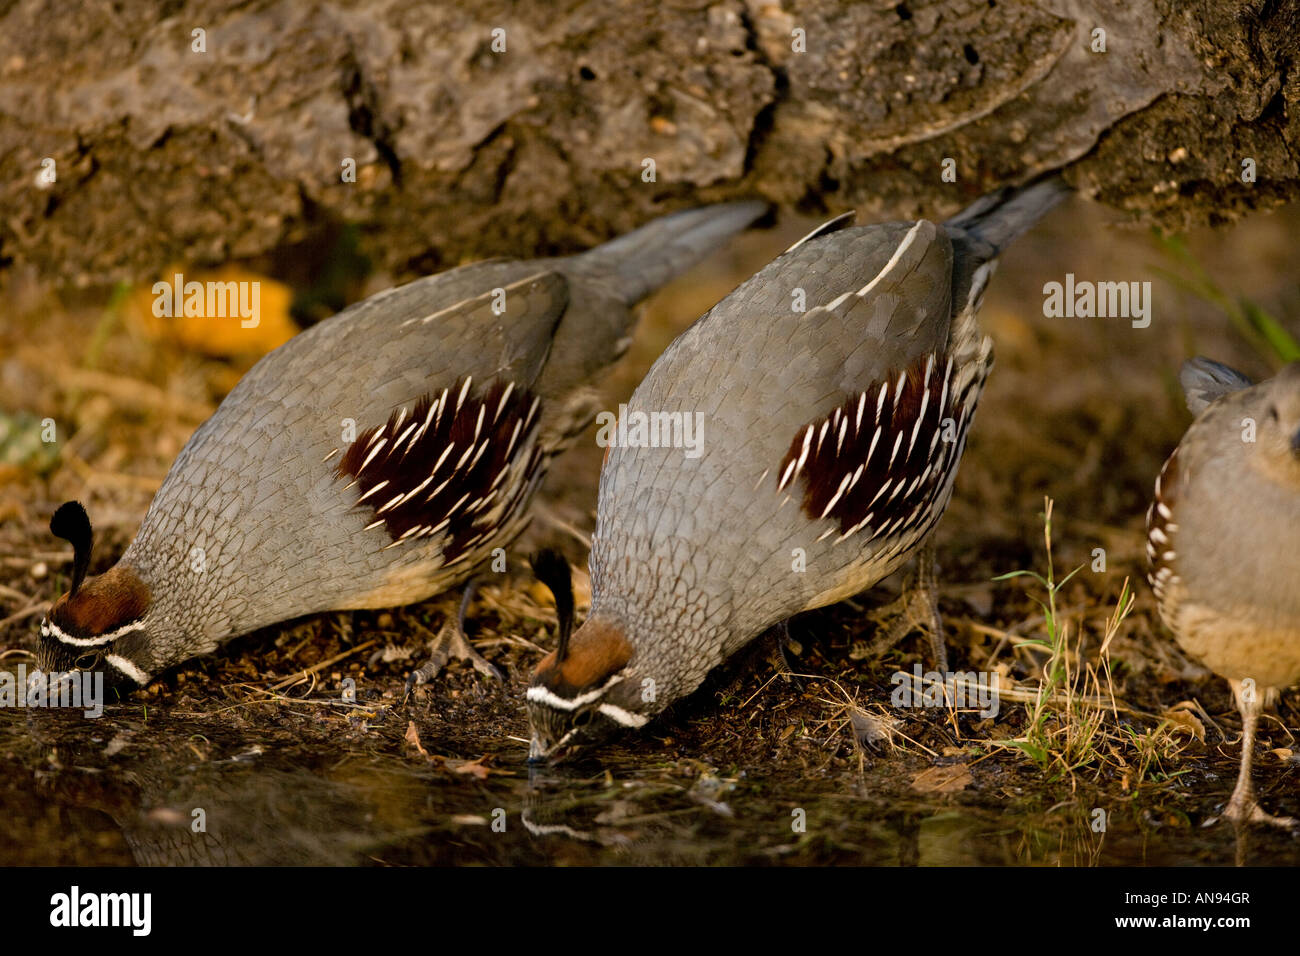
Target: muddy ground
column 755, row 767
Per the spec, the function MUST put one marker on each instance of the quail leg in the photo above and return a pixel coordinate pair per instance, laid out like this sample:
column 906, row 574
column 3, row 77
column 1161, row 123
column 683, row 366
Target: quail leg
column 917, row 608
column 1243, row 808
column 778, row 636
column 453, row 642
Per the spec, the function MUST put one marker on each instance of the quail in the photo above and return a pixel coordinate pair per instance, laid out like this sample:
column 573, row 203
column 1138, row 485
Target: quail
column 1222, row 535
column 828, row 443
column 373, row 460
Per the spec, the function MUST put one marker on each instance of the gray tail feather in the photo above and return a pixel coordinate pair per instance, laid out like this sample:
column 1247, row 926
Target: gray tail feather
column 1204, row 380
column 1000, row 217
column 649, row 257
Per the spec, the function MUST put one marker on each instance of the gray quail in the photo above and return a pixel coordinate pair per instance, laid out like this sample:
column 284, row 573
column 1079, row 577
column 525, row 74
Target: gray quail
column 830, row 440
column 1223, row 540
column 375, row 459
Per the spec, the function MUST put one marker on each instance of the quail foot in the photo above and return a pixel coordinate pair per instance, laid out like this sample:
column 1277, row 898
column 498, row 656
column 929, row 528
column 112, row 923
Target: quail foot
column 375, row 459
column 1223, row 540
column 830, row 396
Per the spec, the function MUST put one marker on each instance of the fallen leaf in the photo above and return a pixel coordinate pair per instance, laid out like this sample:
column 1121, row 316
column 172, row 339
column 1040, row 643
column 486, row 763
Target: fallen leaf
column 473, row 768
column 413, row 738
column 1181, row 716
column 943, row 779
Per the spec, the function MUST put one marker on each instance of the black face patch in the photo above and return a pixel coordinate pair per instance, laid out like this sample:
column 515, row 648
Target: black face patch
column 447, row 466
column 877, row 463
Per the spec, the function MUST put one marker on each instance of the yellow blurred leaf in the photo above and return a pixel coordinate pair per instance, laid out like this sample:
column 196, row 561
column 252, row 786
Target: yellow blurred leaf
column 229, row 312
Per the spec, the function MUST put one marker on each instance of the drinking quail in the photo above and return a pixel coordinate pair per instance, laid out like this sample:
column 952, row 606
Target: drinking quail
column 375, row 459
column 828, row 441
column 1222, row 538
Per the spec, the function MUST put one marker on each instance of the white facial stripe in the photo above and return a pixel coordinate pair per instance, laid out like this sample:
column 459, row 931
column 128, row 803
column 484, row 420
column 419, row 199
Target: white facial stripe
column 127, row 668
column 544, row 695
column 50, row 629
column 624, row 717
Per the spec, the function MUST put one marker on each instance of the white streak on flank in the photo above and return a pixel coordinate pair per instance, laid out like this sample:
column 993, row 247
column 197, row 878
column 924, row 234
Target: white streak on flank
column 441, row 458
column 433, row 494
column 929, row 367
column 894, row 454
column 880, row 402
column 464, row 390
column 514, row 435
column 839, row 445
column 947, row 377
column 916, row 429
column 371, row 457
column 469, row 449
column 807, row 443
column 377, row 487
column 874, row 439
column 127, row 668
column 505, row 396
column 838, row 492
column 789, row 469
column 898, row 254
column 481, row 448
column 821, row 435
column 406, row 434
column 761, row 477
column 459, row 502
column 862, row 404
column 329, row 456
column 392, row 501
column 825, row 534
column 50, row 629
column 373, row 524
column 856, row 475
column 379, row 433
column 1162, row 509
column 880, row 492
column 898, row 392
column 1158, row 536
column 478, row 425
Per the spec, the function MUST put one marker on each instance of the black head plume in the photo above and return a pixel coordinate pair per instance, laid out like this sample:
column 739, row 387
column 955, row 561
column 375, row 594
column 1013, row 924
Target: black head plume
column 553, row 570
column 72, row 524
